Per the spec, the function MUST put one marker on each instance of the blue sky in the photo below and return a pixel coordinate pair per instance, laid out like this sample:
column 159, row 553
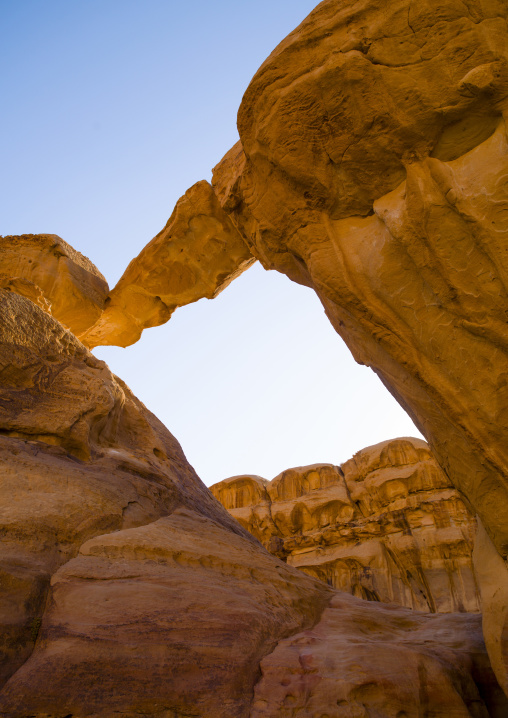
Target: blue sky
column 111, row 110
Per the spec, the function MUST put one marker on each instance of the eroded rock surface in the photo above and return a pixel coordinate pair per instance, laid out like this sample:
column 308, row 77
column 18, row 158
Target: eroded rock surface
column 387, row 525
column 79, row 455
column 374, row 170
column 372, row 167
column 197, row 254
column 60, row 280
column 126, row 588
column 178, row 615
column 365, row 659
column 492, row 577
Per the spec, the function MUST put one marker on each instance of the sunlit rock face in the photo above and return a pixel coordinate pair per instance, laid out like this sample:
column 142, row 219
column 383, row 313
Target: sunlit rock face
column 60, row 280
column 197, row 254
column 372, row 167
column 386, row 526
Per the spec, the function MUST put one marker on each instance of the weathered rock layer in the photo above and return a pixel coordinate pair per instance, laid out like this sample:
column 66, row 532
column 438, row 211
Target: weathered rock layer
column 197, row 254
column 60, row 280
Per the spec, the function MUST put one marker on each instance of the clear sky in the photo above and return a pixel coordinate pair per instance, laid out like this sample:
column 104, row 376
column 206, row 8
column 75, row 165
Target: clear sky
column 111, row 109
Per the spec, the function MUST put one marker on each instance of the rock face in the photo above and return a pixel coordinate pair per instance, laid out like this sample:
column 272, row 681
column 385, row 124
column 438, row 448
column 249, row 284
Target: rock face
column 197, row 254
column 492, row 577
column 367, row 660
column 385, row 526
column 372, row 167
column 177, row 614
column 60, row 280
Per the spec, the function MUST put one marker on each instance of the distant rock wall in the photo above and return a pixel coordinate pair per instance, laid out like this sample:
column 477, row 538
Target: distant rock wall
column 386, row 526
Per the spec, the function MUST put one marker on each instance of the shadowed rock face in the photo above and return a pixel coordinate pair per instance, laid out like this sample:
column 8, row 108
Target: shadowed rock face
column 386, row 526
column 83, row 460
column 380, row 131
column 367, row 660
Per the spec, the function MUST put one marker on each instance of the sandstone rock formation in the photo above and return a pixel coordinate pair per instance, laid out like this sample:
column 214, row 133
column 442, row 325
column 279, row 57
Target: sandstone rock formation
column 364, row 660
column 128, row 590
column 386, row 526
column 55, row 276
column 197, row 254
column 492, row 576
column 374, row 170
column 372, row 166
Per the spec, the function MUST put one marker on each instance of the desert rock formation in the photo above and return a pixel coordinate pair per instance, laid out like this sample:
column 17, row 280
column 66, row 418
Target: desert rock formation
column 99, row 501
column 366, row 660
column 372, row 166
column 379, row 131
column 375, row 171
column 387, row 525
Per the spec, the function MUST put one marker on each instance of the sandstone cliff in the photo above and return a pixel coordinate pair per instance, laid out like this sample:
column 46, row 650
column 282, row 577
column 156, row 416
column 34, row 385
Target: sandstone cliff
column 386, row 526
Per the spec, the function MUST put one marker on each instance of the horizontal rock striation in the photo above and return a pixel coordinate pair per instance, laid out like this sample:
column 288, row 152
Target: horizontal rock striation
column 387, row 525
